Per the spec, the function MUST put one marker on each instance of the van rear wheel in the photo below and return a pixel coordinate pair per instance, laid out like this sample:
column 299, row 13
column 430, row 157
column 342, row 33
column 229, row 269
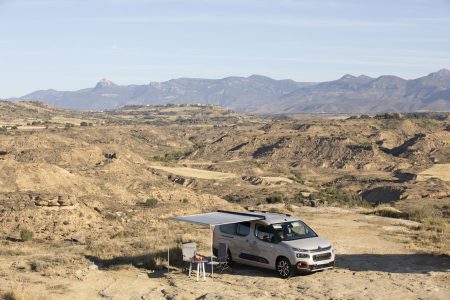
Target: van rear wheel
column 229, row 258
column 284, row 267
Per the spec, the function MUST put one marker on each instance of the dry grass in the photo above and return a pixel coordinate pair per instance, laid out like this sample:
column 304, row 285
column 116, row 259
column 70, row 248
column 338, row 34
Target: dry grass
column 6, row 250
column 389, row 212
column 433, row 233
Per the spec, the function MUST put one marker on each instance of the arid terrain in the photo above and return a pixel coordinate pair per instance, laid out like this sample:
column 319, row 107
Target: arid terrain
column 85, row 198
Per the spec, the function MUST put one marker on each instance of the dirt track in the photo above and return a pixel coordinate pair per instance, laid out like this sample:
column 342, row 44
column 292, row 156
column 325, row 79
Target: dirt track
column 374, row 261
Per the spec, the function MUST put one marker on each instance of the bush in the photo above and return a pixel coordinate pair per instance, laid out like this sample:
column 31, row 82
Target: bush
column 9, row 296
column 26, row 234
column 198, row 145
column 83, row 124
column 298, row 176
column 171, row 156
column 276, row 198
column 151, row 202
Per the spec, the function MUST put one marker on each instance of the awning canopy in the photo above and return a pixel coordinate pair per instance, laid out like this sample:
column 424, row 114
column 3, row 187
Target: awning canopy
column 218, row 218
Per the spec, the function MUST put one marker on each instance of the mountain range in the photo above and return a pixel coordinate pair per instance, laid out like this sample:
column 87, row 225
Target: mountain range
column 263, row 95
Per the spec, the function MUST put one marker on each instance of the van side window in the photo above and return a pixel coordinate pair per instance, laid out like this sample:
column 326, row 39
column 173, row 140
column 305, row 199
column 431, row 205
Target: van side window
column 243, row 228
column 264, row 233
column 228, row 228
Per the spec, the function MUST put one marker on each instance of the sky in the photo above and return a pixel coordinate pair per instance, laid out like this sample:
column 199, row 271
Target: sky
column 72, row 44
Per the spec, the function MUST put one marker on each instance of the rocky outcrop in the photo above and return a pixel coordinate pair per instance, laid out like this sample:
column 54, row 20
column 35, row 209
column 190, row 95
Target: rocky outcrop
column 186, row 182
column 255, row 180
column 53, row 200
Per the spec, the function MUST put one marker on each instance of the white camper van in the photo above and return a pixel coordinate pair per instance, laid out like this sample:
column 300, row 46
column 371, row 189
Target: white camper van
column 275, row 241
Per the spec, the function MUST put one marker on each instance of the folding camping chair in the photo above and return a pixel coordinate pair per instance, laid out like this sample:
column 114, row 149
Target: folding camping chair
column 189, row 250
column 221, row 261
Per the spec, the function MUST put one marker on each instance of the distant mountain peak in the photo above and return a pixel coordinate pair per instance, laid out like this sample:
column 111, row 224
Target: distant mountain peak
column 441, row 74
column 348, row 76
column 104, row 83
column 256, row 76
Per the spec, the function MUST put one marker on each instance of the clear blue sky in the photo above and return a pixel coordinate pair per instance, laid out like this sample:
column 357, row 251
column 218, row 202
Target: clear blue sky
column 71, row 44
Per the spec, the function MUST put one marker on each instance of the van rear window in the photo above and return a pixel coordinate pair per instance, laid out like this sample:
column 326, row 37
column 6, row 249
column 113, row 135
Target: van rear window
column 228, row 228
column 243, row 228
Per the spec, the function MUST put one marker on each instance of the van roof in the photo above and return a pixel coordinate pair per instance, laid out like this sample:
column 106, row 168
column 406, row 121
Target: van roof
column 268, row 217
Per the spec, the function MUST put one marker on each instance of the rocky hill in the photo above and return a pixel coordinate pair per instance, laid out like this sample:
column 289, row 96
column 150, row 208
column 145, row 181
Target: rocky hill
column 85, row 199
column 364, row 94
column 260, row 94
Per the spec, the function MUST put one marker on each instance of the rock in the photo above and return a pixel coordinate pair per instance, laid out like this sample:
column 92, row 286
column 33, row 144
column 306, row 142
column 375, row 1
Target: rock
column 41, row 203
column 177, row 179
column 64, row 201
column 255, row 180
column 111, row 155
column 78, row 238
column 186, row 182
column 53, row 203
column 306, row 195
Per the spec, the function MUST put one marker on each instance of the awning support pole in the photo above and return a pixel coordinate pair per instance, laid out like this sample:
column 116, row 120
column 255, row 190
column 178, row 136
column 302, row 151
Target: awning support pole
column 168, row 247
column 212, row 252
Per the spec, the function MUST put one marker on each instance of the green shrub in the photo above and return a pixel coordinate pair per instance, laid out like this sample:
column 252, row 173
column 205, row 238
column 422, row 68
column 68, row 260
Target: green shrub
column 26, row 234
column 298, row 176
column 151, row 202
column 171, row 156
column 198, row 145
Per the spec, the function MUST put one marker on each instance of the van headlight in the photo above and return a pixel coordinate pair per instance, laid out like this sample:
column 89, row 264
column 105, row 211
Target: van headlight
column 301, row 255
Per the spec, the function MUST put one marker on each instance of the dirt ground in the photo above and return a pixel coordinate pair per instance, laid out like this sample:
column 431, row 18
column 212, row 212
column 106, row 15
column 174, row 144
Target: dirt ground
column 375, row 260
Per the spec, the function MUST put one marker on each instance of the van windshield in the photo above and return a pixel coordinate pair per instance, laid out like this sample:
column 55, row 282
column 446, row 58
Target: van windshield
column 293, row 231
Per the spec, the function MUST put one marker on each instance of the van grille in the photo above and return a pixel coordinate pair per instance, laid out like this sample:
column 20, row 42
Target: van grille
column 320, row 257
column 320, row 249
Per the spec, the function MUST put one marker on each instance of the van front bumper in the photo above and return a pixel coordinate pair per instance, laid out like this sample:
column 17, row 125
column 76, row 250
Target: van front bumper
column 305, row 267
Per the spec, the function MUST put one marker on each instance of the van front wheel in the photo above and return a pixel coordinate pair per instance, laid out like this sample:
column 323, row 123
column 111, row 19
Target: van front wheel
column 284, row 267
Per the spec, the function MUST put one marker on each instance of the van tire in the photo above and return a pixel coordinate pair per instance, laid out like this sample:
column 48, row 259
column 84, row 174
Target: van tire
column 284, row 268
column 229, row 258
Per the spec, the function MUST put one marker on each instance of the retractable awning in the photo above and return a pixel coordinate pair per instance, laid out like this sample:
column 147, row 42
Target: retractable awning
column 212, row 219
column 218, row 218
